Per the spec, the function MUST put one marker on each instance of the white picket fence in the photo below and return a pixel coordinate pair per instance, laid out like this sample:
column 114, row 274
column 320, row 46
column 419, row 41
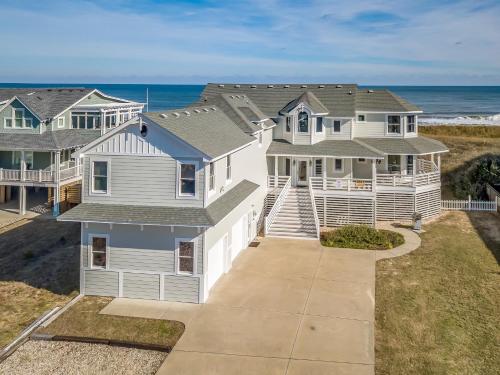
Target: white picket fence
column 468, row 205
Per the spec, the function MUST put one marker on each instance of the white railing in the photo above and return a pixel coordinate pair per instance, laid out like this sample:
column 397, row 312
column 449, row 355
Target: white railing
column 420, row 179
column 313, row 203
column 468, row 205
column 268, row 220
column 346, row 184
column 10, row 174
column 277, row 181
column 38, row 176
column 65, row 174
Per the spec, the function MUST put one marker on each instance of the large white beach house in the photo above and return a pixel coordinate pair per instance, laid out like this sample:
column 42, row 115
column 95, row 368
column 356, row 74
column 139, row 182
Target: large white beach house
column 170, row 198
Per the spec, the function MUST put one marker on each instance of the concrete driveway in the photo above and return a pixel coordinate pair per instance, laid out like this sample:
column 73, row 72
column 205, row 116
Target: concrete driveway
column 286, row 307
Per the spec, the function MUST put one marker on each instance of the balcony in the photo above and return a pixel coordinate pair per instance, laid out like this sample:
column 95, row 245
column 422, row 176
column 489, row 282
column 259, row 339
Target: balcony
column 45, row 176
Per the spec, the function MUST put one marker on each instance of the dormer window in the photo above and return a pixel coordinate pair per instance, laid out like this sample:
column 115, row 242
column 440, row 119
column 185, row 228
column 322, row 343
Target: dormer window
column 319, row 125
column 288, row 121
column 410, row 126
column 303, row 122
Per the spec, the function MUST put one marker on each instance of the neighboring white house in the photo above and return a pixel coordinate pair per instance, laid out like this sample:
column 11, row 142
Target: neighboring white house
column 169, row 199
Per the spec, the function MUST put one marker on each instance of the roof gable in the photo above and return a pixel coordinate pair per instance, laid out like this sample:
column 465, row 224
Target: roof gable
column 308, row 99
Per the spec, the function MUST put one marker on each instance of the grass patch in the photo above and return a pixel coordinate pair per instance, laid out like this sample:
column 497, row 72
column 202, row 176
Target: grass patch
column 437, row 308
column 83, row 320
column 362, row 237
column 461, row 130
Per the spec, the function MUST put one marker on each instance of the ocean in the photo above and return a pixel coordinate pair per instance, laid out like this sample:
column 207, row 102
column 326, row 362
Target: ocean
column 477, row 105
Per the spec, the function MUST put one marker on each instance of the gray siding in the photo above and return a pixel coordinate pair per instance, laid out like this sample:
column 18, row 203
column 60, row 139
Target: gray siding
column 142, row 180
column 101, row 283
column 182, row 289
column 7, row 113
column 142, row 259
column 140, row 285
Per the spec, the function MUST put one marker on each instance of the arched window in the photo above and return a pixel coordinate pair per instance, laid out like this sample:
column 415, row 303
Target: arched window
column 303, row 122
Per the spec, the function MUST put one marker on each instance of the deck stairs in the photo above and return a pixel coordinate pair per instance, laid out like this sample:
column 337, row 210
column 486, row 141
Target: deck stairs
column 295, row 217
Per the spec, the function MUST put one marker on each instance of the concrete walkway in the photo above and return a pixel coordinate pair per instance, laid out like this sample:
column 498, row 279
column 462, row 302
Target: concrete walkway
column 286, row 307
column 412, row 242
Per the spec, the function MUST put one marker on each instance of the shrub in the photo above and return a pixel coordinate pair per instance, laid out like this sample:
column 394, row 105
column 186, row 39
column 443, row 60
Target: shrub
column 362, row 237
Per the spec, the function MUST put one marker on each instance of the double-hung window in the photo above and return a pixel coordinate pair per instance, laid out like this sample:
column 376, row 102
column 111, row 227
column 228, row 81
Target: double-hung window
column 336, row 126
column 18, row 118
column 338, row 165
column 98, row 251
column 60, row 122
column 211, row 182
column 318, row 167
column 100, row 177
column 393, row 124
column 228, row 168
column 288, row 124
column 187, row 179
column 185, row 256
column 410, row 124
column 319, row 125
column 303, row 122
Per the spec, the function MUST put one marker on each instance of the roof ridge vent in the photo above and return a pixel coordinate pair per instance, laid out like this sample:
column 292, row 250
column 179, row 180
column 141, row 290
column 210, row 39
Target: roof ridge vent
column 350, row 92
column 213, row 108
column 221, row 85
column 338, row 86
column 231, row 96
column 31, row 93
column 163, row 115
column 286, row 86
column 187, row 113
column 303, row 86
column 205, row 109
column 237, row 86
column 176, row 114
column 270, row 86
column 369, row 91
column 196, row 111
column 321, row 86
column 253, row 86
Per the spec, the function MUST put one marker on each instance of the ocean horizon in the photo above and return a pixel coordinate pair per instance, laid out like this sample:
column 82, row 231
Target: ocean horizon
column 449, row 105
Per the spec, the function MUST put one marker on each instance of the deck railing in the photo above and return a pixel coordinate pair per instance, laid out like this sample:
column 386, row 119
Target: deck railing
column 420, row 179
column 268, row 220
column 315, row 212
column 346, row 184
column 277, row 181
column 38, row 175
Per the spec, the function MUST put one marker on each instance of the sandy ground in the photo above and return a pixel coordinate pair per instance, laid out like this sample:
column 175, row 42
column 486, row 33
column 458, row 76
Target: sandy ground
column 68, row 358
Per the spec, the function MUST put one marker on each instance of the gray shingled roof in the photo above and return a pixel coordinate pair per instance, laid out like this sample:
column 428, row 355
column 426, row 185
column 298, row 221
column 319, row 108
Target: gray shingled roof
column 207, row 129
column 340, row 148
column 46, row 102
column 310, row 100
column 382, row 100
column 405, row 146
column 48, row 141
column 161, row 215
column 340, row 100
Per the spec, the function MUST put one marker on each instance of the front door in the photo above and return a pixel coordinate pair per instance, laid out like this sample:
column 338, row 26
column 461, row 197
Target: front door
column 302, row 172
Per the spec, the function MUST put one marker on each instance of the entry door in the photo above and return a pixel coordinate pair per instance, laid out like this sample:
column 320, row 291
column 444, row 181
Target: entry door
column 302, row 172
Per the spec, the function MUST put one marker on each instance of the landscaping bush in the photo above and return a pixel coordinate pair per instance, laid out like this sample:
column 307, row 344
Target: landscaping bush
column 362, row 237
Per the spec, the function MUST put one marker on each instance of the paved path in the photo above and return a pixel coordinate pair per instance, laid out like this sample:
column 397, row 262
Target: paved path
column 286, row 307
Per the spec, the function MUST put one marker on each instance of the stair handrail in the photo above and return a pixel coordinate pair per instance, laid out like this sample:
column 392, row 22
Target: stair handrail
column 269, row 219
column 313, row 203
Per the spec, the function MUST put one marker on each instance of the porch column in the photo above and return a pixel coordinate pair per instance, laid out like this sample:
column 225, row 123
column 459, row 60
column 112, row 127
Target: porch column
column 23, row 166
column 323, row 171
column 22, row 200
column 439, row 162
column 415, row 161
column 276, row 171
column 55, row 209
column 432, row 158
column 374, row 174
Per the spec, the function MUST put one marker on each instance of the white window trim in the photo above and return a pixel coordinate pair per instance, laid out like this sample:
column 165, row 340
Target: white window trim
column 195, row 255
column 89, row 250
column 309, row 122
column 335, row 170
column 322, row 166
column 322, row 125
column 401, row 125
column 290, row 119
column 108, row 180
column 358, row 120
column 333, row 126
column 12, row 119
column 414, row 124
column 179, row 195
column 31, row 123
column 261, row 138
column 63, row 122
column 11, row 123
column 212, row 190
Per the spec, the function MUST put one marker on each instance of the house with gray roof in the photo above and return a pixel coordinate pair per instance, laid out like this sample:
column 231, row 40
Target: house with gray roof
column 170, row 198
column 39, row 130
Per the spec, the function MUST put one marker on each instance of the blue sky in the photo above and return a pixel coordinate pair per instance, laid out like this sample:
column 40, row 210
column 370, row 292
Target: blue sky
column 439, row 42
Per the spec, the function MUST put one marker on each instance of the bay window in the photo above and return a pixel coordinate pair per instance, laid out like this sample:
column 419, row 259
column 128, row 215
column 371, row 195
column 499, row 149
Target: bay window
column 211, row 183
column 319, row 125
column 303, row 122
column 288, row 121
column 393, row 124
column 410, row 124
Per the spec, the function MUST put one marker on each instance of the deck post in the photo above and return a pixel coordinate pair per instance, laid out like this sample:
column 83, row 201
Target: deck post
column 276, row 171
column 57, row 192
column 439, row 162
column 324, row 172
column 374, row 174
column 22, row 200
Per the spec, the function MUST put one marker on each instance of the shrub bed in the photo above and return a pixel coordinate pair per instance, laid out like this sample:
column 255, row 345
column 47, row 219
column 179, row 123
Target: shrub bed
column 362, row 237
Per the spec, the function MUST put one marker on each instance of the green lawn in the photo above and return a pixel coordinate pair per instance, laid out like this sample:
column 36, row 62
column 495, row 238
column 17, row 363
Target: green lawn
column 438, row 308
column 83, row 320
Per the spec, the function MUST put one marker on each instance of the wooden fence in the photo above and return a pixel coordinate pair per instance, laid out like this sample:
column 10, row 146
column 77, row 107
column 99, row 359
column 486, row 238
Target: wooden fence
column 468, row 205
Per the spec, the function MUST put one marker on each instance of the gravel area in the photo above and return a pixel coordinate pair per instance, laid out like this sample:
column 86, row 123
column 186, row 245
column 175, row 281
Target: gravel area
column 53, row 357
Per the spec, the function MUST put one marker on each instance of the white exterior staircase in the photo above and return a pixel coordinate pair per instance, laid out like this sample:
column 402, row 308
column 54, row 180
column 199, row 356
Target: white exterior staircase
column 296, row 216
